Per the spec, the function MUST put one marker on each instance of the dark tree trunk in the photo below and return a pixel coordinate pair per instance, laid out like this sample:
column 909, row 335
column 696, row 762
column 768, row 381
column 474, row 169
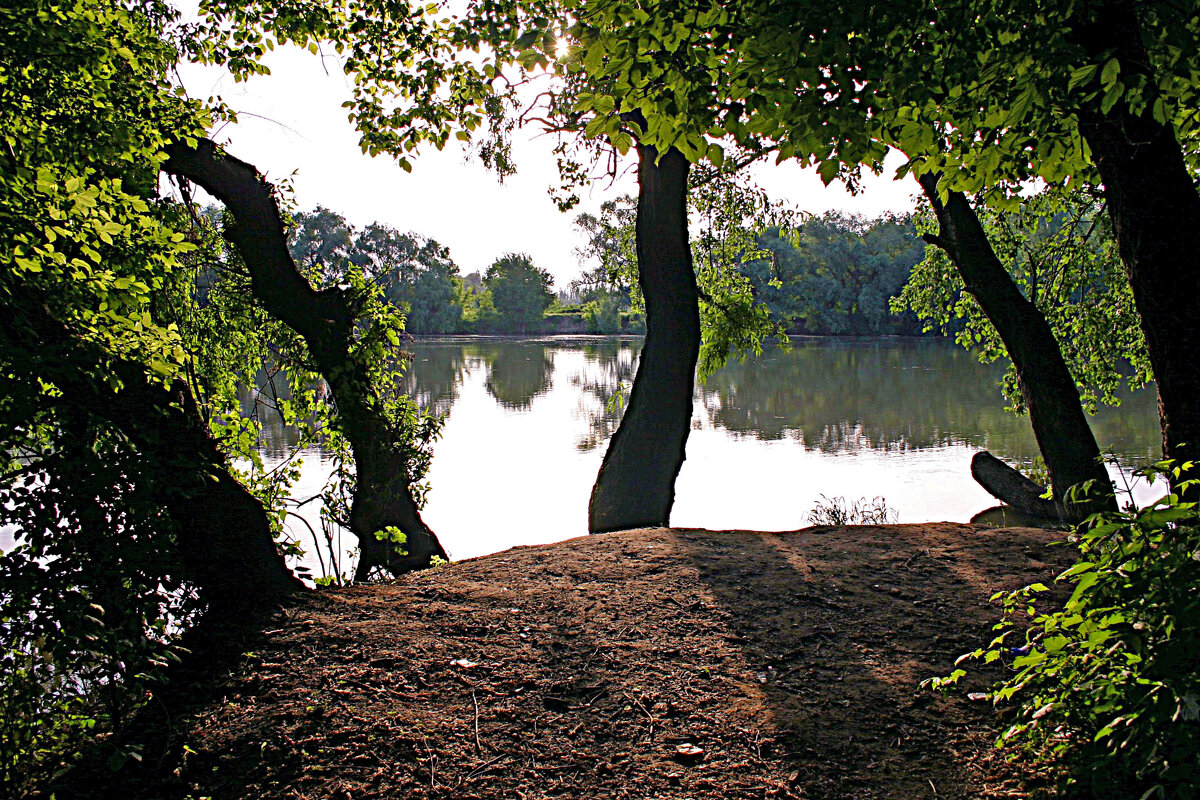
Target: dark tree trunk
column 224, row 536
column 326, row 320
column 1155, row 209
column 1009, row 486
column 636, row 484
column 1051, row 397
column 222, row 531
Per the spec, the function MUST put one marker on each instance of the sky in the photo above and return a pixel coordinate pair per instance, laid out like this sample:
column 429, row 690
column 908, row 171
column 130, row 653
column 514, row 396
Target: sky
column 291, row 124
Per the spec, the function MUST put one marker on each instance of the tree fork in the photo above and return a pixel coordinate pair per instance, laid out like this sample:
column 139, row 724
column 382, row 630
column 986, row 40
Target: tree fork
column 1059, row 424
column 636, row 484
column 325, row 319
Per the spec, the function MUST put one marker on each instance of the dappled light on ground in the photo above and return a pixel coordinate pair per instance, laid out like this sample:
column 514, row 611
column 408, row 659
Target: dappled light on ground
column 661, row 663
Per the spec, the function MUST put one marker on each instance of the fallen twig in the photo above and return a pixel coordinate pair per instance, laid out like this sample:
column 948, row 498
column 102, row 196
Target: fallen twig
column 478, row 747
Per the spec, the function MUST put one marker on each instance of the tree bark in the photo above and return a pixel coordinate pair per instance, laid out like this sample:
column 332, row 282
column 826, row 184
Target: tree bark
column 1155, row 209
column 1009, row 486
column 636, row 484
column 326, row 320
column 222, row 531
column 1063, row 435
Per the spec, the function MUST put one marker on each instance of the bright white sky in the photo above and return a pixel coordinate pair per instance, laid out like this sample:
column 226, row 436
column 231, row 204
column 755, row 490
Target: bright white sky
column 292, row 122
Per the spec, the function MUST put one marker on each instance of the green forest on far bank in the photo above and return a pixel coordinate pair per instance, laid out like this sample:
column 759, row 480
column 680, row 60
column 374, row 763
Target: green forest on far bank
column 827, row 275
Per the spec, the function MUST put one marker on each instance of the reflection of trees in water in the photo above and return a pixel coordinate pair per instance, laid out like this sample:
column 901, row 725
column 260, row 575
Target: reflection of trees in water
column 434, row 374
column 517, row 372
column 607, row 365
column 892, row 395
column 833, row 396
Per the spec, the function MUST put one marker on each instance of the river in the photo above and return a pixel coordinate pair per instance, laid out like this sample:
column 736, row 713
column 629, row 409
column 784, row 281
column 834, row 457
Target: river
column 527, row 422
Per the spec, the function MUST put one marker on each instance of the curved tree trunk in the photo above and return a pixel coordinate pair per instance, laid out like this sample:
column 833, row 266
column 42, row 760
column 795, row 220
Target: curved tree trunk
column 1155, row 209
column 1059, row 424
column 222, row 531
column 326, row 320
column 1009, row 486
column 636, row 484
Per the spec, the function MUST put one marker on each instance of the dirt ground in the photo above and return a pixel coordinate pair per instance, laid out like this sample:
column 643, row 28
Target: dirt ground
column 654, row 663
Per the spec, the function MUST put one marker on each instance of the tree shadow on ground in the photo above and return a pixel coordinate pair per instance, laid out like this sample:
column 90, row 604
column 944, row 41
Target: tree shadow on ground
column 840, row 627
column 666, row 664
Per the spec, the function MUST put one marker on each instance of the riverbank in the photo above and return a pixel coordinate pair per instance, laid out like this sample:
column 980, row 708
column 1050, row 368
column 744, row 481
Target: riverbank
column 659, row 663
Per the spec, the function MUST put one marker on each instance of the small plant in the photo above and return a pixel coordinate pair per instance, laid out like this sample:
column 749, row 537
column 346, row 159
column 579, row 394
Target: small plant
column 1109, row 683
column 616, row 403
column 862, row 511
column 1039, row 473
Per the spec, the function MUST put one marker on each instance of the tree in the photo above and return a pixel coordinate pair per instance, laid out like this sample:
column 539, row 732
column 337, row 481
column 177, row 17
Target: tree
column 348, row 335
column 130, row 526
column 636, row 484
column 322, row 244
column 1060, row 290
column 233, row 35
column 1048, row 390
column 417, row 275
column 520, row 291
column 610, row 240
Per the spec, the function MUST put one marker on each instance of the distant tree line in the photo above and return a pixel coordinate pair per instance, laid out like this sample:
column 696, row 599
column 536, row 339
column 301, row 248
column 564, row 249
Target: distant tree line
column 835, row 274
column 417, row 276
column 829, row 275
column 832, row 274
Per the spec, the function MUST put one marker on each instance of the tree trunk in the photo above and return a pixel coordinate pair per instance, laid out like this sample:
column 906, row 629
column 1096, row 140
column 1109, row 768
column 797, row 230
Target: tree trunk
column 326, row 320
column 1009, row 486
column 1051, row 396
column 222, row 531
column 1155, row 209
column 636, row 484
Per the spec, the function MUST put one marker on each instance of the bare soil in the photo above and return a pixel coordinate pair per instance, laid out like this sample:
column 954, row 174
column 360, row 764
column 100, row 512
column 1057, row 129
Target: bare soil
column 653, row 663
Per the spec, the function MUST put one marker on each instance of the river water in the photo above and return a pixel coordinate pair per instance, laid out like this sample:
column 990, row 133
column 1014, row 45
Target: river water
column 527, row 422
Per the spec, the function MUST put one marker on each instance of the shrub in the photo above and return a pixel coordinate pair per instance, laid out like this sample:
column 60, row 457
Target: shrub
column 861, row 512
column 1109, row 683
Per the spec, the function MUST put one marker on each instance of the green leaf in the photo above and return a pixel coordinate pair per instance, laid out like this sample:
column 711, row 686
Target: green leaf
column 1108, row 76
column 1081, row 76
column 1086, row 581
column 828, row 170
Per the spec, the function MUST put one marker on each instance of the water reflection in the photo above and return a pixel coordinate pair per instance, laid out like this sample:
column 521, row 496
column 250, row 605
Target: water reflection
column 896, row 395
column 828, row 395
column 518, row 372
column 610, row 366
column 433, row 379
column 527, row 422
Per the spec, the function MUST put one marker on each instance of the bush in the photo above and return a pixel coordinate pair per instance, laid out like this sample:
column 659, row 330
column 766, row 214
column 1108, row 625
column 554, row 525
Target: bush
column 1109, row 683
column 633, row 322
column 603, row 315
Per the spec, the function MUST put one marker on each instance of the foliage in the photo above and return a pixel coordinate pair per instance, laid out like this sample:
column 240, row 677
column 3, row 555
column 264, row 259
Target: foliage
column 1109, row 682
column 728, row 213
column 609, row 241
column 521, row 292
column 1060, row 251
column 603, row 314
column 92, row 593
column 834, row 274
column 416, row 275
column 862, row 511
